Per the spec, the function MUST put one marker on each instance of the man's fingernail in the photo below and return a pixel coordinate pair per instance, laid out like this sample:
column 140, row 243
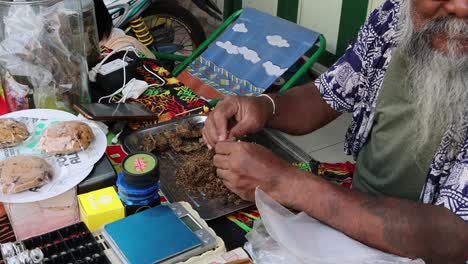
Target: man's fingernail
column 222, row 138
column 209, row 146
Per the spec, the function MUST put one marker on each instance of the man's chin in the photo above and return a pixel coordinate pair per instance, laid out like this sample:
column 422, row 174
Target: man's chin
column 441, row 44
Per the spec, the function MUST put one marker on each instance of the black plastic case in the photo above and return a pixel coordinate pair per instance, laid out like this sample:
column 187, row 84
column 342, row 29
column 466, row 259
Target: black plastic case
column 103, row 175
column 71, row 244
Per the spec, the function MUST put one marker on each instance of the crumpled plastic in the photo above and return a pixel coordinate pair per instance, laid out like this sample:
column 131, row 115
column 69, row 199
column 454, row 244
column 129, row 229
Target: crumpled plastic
column 285, row 237
column 42, row 46
column 24, row 172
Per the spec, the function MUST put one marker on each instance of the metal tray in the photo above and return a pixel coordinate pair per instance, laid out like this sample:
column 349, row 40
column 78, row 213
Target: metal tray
column 208, row 209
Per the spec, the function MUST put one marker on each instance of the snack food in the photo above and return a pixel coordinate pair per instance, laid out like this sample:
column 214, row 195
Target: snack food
column 196, row 173
column 12, row 132
column 22, row 173
column 66, row 138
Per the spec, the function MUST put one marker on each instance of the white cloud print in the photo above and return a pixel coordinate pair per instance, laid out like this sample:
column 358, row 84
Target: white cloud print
column 272, row 69
column 248, row 54
column 240, row 28
column 277, row 41
column 228, row 46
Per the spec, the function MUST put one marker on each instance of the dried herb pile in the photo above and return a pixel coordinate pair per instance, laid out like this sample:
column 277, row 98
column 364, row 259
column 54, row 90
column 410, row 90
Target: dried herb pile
column 196, row 173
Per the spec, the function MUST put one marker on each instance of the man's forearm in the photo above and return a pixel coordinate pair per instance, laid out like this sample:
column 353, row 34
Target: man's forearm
column 301, row 110
column 397, row 226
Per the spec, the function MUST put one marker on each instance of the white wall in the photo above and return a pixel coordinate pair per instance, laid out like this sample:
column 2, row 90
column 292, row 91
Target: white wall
column 323, row 16
column 373, row 4
column 267, row 6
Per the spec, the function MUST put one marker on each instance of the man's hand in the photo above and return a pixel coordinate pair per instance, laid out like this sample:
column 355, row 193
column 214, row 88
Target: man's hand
column 245, row 166
column 235, row 117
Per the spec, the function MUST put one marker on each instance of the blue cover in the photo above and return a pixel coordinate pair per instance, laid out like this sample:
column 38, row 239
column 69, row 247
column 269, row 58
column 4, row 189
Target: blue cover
column 274, row 44
column 152, row 235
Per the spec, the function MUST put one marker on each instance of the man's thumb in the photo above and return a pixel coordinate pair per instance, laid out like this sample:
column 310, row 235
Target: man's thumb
column 239, row 130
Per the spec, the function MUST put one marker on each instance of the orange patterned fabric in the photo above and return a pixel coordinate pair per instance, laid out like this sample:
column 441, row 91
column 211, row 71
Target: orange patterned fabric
column 200, row 88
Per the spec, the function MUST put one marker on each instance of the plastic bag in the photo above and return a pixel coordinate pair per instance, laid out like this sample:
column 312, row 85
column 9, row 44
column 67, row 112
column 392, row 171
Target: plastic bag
column 12, row 132
column 17, row 94
column 66, row 137
column 21, row 173
column 45, row 47
column 289, row 238
column 69, row 169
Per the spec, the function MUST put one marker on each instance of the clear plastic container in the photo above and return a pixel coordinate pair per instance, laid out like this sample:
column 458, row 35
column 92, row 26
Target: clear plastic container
column 42, row 54
column 90, row 32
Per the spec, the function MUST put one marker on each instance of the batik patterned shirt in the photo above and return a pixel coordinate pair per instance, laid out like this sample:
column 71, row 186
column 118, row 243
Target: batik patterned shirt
column 353, row 84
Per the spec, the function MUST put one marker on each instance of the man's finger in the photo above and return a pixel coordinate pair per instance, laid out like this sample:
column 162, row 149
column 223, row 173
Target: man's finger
column 221, row 161
column 209, row 130
column 205, row 140
column 221, row 115
column 225, row 147
column 239, row 130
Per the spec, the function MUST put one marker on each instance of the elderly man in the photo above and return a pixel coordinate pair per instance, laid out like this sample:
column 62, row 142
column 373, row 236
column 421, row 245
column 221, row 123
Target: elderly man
column 406, row 82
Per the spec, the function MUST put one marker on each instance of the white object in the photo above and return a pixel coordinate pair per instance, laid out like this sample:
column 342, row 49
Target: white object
column 67, row 178
column 133, row 89
column 272, row 101
column 93, row 72
column 112, row 66
column 303, row 240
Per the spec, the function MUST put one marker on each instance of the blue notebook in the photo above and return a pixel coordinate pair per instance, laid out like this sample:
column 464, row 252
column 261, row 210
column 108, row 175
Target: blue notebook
column 152, row 236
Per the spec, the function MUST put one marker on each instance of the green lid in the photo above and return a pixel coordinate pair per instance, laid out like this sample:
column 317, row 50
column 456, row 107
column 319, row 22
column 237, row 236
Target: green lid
column 140, row 163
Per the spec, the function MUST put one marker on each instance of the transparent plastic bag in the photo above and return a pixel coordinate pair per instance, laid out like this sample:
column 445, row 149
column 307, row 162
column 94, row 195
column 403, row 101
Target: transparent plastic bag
column 66, row 137
column 69, row 170
column 298, row 238
column 45, row 46
column 13, row 132
column 17, row 94
column 24, row 172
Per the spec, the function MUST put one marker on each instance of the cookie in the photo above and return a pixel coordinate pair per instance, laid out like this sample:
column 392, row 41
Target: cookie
column 12, row 132
column 66, row 138
column 22, row 173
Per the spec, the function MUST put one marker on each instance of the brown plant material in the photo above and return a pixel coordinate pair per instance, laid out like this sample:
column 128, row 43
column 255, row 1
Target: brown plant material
column 196, row 173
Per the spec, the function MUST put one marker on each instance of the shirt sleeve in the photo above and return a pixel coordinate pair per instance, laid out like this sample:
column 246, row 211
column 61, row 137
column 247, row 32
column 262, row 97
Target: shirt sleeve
column 453, row 192
column 340, row 85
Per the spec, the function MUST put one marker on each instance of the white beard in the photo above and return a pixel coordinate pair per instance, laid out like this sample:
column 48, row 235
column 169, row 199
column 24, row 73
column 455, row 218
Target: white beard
column 438, row 80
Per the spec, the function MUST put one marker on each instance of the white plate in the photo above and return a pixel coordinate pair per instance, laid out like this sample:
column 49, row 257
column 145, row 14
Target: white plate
column 65, row 177
column 43, row 113
column 51, row 189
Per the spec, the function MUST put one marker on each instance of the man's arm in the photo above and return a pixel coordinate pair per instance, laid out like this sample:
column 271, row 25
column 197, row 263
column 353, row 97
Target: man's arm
column 397, row 226
column 301, row 110
column 298, row 111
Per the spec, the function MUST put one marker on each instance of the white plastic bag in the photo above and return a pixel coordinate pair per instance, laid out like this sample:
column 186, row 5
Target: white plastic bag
column 302, row 239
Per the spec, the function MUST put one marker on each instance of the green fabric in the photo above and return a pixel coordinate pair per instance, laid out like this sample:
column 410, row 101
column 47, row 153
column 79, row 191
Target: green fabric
column 386, row 165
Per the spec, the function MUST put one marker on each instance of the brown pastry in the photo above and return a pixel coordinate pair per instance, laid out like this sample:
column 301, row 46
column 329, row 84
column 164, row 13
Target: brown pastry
column 12, row 132
column 22, row 173
column 66, row 138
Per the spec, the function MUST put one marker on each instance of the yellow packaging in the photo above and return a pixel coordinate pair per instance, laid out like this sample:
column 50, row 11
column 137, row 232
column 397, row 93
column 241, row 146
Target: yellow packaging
column 100, row 207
